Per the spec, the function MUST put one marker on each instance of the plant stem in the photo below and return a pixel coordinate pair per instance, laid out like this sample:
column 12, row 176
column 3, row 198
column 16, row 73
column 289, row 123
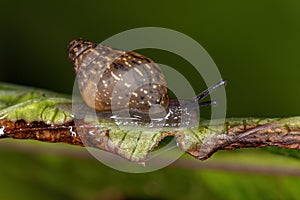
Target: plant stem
column 200, row 143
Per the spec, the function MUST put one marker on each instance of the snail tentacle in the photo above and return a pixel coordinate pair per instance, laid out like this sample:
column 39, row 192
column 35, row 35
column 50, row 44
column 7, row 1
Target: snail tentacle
column 209, row 90
column 207, row 103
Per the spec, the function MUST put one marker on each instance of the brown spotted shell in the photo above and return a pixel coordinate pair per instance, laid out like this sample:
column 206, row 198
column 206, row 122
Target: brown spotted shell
column 108, row 76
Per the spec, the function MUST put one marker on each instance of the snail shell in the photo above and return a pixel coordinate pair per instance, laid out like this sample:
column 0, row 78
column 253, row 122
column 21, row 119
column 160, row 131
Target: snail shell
column 100, row 68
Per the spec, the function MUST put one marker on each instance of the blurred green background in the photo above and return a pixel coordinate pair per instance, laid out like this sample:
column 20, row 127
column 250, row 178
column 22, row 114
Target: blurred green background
column 255, row 45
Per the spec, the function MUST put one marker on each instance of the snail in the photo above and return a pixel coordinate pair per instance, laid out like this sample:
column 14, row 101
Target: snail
column 111, row 79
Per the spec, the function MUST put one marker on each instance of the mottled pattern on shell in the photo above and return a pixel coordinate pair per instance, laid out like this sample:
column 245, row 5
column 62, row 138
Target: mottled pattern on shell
column 114, row 79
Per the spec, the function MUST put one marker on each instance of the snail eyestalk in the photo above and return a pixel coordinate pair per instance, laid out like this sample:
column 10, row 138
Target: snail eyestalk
column 208, row 91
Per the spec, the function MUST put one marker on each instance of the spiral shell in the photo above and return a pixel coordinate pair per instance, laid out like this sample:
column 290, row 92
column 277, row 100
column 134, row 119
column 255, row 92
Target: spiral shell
column 104, row 72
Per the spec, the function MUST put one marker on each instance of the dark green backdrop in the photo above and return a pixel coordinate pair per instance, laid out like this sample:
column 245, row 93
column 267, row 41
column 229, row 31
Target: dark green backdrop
column 255, row 44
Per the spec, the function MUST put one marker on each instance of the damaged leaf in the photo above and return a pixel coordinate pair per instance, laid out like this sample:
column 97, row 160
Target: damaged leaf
column 30, row 113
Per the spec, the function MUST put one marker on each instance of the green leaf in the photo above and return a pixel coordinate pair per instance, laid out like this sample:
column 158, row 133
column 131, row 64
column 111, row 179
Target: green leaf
column 135, row 144
column 31, row 104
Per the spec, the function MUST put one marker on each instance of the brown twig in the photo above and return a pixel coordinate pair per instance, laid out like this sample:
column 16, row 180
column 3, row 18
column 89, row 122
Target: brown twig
column 279, row 133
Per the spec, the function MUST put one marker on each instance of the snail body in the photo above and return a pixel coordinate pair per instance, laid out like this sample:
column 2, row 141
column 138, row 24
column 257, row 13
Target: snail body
column 111, row 79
